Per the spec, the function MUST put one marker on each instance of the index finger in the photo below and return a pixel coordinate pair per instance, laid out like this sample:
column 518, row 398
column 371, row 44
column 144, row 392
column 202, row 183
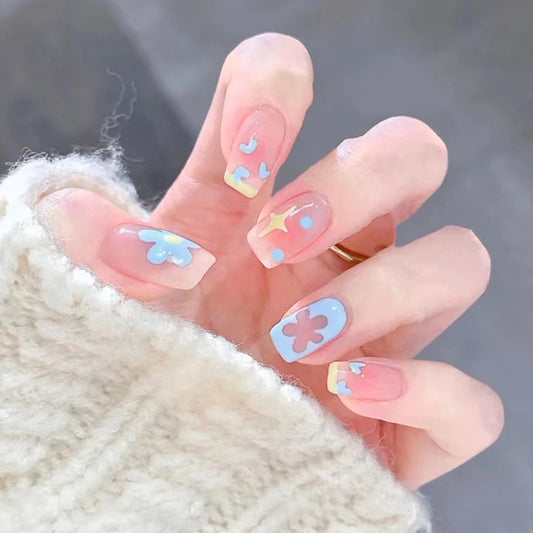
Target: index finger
column 263, row 93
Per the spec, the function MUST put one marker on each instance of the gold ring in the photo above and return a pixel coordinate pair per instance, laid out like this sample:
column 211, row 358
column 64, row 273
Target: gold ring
column 347, row 254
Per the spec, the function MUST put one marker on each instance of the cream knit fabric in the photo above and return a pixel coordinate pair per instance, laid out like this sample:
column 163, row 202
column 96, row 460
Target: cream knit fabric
column 114, row 418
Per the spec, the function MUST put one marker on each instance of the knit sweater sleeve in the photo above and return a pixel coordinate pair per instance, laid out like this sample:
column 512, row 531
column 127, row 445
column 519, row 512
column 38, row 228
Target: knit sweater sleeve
column 115, row 418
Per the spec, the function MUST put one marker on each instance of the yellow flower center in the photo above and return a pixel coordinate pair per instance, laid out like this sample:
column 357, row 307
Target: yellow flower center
column 173, row 239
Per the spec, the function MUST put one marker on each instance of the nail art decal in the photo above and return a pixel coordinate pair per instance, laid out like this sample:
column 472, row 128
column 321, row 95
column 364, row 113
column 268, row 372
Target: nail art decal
column 235, row 180
column 156, row 255
column 277, row 222
column 255, row 151
column 340, row 386
column 239, row 174
column 371, row 380
column 290, row 228
column 248, row 148
column 167, row 247
column 277, row 255
column 263, row 171
column 356, row 368
column 305, row 329
column 343, row 389
column 308, row 329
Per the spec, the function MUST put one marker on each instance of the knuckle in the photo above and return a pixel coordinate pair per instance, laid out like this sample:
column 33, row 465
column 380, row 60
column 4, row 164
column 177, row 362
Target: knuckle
column 477, row 418
column 420, row 141
column 420, row 130
column 394, row 273
column 284, row 47
column 491, row 415
column 275, row 52
column 434, row 148
column 467, row 243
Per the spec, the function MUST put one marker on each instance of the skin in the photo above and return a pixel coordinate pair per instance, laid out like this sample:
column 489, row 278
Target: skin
column 399, row 300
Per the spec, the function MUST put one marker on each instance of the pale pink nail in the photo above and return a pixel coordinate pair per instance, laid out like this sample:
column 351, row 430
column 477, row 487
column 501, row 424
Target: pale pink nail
column 368, row 380
column 289, row 228
column 156, row 255
column 255, row 151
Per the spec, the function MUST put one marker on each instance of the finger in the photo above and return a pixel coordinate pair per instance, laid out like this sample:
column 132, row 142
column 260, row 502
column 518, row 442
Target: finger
column 391, row 170
column 142, row 261
column 444, row 417
column 263, row 93
column 416, row 290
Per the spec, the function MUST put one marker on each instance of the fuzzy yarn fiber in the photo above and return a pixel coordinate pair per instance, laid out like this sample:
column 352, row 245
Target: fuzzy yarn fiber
column 115, row 418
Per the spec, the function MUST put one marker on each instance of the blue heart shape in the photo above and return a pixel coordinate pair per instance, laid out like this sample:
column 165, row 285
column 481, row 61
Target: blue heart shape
column 342, row 388
column 263, row 171
column 248, row 148
column 355, row 367
column 240, row 173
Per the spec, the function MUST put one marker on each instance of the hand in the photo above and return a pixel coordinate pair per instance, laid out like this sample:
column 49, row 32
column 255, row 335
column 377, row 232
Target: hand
column 423, row 418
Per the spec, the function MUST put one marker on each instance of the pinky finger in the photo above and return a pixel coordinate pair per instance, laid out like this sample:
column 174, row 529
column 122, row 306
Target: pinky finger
column 441, row 416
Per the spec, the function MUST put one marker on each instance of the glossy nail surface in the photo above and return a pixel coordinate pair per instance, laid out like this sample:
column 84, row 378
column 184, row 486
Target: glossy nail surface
column 308, row 329
column 369, row 380
column 255, row 151
column 289, row 228
column 156, row 255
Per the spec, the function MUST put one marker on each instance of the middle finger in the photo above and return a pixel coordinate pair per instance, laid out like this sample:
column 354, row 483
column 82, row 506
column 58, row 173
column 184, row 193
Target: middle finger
column 385, row 174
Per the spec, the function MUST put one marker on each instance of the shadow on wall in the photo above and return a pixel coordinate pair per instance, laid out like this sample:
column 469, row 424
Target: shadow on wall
column 64, row 70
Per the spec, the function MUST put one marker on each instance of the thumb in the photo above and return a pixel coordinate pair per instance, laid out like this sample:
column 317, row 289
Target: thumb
column 142, row 261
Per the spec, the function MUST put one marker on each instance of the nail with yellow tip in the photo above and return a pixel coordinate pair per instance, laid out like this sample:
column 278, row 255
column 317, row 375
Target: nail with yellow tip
column 332, row 377
column 254, row 153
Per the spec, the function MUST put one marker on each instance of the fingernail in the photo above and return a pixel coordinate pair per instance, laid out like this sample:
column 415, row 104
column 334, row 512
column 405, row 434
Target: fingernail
column 255, row 151
column 289, row 228
column 156, row 255
column 308, row 329
column 378, row 381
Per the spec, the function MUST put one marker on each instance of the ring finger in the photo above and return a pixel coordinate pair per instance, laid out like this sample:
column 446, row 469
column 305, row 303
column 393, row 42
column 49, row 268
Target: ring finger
column 391, row 305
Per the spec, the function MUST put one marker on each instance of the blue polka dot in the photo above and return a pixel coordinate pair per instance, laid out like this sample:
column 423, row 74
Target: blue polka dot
column 277, row 255
column 306, row 222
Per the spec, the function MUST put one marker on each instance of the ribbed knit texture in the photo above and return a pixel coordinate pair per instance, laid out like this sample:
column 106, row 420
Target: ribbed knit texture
column 114, row 418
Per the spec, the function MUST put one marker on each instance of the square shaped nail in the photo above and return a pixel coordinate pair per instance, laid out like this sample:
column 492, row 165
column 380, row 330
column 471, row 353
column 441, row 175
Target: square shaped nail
column 255, row 151
column 289, row 228
column 156, row 255
column 308, row 329
column 369, row 380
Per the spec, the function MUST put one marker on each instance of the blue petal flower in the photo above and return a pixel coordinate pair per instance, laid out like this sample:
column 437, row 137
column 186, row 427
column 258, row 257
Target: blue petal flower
column 167, row 247
column 150, row 235
column 157, row 254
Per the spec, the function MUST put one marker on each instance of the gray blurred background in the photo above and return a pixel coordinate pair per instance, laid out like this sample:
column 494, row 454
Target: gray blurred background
column 465, row 67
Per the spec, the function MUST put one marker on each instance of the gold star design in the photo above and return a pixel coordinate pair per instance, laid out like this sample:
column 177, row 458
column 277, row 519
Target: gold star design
column 277, row 222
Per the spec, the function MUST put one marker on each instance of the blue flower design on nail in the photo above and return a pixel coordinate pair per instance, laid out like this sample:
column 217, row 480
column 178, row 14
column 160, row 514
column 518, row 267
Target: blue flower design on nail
column 167, row 247
column 305, row 331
